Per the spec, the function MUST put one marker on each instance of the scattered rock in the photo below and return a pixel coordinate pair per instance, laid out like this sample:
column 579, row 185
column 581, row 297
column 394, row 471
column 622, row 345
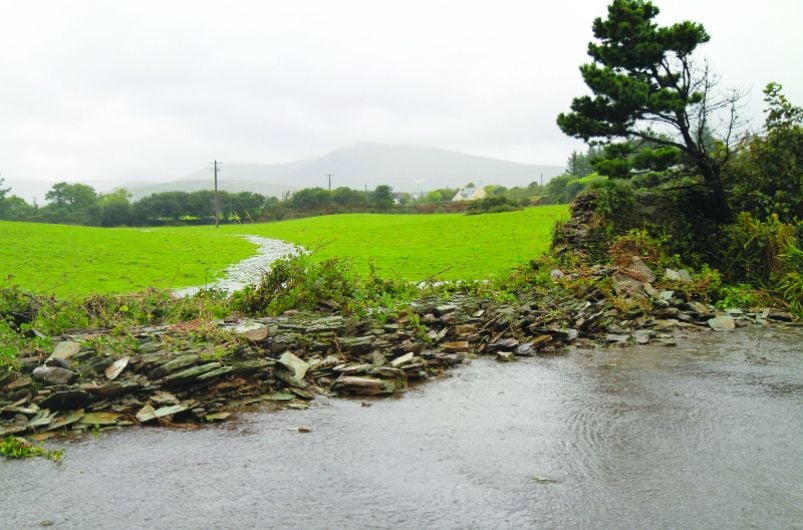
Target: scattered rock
column 65, row 350
column 640, row 270
column 53, row 375
column 257, row 335
column 783, row 316
column 445, row 309
column 65, row 400
column 116, row 368
column 724, row 322
column 402, row 360
column 460, row 346
column 505, row 356
column 364, row 385
column 297, row 367
column 100, row 418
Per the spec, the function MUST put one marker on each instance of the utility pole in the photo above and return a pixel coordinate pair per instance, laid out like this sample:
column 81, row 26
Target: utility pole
column 542, row 181
column 330, row 175
column 217, row 201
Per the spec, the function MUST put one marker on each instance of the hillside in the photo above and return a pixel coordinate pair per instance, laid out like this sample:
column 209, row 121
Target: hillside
column 370, row 164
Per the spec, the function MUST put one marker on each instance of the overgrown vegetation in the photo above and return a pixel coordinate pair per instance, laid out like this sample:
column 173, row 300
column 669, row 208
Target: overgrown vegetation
column 664, row 126
column 330, row 285
column 14, row 447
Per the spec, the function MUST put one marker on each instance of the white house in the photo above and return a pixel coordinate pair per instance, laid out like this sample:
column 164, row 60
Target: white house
column 469, row 194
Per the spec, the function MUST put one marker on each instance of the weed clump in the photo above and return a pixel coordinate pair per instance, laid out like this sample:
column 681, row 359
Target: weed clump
column 331, row 285
column 14, row 447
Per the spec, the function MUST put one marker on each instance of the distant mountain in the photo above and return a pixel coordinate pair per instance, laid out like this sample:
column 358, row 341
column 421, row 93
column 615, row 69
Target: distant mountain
column 356, row 166
column 207, row 183
column 368, row 164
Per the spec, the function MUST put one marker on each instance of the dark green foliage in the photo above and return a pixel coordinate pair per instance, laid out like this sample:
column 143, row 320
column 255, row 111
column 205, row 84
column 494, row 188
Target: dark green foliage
column 301, row 283
column 27, row 317
column 645, row 85
column 755, row 250
column 580, row 164
column 766, row 175
column 492, row 205
column 382, row 197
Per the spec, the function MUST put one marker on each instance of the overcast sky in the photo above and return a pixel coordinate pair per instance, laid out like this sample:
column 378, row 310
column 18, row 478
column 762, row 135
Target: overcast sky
column 118, row 90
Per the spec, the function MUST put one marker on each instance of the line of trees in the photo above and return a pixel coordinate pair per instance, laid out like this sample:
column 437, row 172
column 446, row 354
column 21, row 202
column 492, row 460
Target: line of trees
column 76, row 203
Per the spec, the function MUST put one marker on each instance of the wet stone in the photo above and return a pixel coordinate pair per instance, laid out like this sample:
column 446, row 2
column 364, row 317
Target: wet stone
column 208, row 376
column 21, row 382
column 505, row 356
column 65, row 350
column 100, row 418
column 173, row 365
column 189, row 374
column 296, row 366
column 364, row 385
column 65, row 400
column 722, row 323
column 249, row 367
column 456, row 347
column 401, row 360
column 257, row 335
column 65, row 419
column 700, row 309
column 783, row 316
column 445, row 309
column 505, row 344
column 116, row 368
column 357, row 345
column 53, row 375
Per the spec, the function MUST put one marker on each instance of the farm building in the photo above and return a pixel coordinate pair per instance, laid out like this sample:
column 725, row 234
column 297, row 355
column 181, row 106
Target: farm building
column 469, row 194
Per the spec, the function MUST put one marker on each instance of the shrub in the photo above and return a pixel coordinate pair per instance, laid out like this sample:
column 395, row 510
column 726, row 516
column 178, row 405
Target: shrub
column 638, row 243
column 301, row 283
column 753, row 249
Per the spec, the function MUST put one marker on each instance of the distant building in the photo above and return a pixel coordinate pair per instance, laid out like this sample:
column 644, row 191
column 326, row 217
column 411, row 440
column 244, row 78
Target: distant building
column 469, row 194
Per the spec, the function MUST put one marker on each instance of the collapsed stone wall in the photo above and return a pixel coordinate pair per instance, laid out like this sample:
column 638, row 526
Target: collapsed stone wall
column 678, row 217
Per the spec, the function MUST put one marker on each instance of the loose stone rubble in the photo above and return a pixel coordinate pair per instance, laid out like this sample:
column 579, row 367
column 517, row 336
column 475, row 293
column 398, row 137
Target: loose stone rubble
column 290, row 359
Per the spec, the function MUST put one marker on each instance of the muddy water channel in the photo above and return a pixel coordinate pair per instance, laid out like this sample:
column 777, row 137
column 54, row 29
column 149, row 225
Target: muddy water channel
column 707, row 434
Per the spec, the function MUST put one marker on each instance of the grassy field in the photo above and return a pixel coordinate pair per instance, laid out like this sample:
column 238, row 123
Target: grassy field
column 75, row 261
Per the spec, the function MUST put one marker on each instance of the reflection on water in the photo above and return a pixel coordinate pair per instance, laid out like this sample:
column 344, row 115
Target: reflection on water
column 708, row 434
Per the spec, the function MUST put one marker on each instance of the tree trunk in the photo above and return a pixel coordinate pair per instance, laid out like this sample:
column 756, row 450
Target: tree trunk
column 718, row 209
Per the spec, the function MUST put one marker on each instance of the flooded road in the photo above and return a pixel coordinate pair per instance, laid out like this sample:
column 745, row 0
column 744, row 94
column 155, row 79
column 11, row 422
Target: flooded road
column 707, row 434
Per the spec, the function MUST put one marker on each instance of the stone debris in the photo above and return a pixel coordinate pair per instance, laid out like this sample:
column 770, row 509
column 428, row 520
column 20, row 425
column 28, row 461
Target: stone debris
column 723, row 322
column 65, row 350
column 53, row 375
column 116, row 368
column 287, row 361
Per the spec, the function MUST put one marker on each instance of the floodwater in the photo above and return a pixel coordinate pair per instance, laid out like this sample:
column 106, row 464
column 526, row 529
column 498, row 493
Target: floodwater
column 250, row 270
column 705, row 435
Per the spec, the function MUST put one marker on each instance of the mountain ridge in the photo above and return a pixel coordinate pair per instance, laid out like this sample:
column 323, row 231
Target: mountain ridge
column 403, row 167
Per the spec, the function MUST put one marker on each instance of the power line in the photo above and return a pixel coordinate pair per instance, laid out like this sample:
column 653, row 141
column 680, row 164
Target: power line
column 217, row 202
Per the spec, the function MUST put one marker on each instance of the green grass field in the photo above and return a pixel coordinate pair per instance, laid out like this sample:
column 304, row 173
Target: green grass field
column 75, row 261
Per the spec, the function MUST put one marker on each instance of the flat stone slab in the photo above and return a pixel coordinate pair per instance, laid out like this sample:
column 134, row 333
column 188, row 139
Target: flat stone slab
column 65, row 350
column 722, row 323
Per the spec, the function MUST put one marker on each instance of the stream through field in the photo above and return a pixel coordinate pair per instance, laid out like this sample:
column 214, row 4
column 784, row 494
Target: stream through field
column 705, row 435
column 250, row 270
